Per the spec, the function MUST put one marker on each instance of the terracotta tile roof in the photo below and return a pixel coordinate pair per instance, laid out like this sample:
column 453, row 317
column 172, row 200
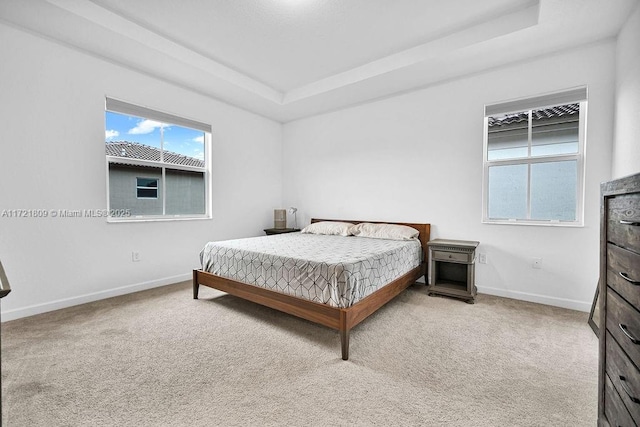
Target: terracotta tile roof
column 134, row 150
column 542, row 113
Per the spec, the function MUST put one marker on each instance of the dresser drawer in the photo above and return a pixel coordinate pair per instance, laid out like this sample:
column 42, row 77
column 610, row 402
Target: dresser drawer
column 624, row 375
column 623, row 273
column 614, row 409
column 623, row 321
column 452, row 256
column 623, row 223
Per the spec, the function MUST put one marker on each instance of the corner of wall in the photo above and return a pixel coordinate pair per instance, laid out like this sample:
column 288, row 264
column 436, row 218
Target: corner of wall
column 626, row 149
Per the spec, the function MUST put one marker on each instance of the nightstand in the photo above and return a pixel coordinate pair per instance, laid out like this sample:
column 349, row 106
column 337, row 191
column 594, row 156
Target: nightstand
column 452, row 268
column 270, row 231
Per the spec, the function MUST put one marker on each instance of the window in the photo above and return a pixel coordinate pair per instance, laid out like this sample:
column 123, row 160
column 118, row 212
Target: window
column 147, row 188
column 534, row 160
column 156, row 164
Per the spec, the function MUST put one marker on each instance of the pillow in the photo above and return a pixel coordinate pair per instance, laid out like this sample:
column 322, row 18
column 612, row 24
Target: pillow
column 333, row 228
column 384, row 231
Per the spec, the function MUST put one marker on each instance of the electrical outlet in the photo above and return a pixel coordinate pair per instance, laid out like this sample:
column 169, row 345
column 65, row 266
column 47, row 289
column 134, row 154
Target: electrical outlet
column 482, row 258
column 537, row 263
column 135, row 256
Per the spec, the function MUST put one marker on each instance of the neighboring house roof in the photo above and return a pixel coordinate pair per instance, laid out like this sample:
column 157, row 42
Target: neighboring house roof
column 134, row 150
column 541, row 113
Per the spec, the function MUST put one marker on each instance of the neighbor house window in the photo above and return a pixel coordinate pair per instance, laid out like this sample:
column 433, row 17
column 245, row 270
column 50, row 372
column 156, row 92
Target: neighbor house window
column 147, row 188
column 156, row 164
column 534, row 160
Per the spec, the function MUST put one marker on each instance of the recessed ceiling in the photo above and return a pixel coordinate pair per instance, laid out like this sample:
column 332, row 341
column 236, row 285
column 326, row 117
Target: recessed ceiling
column 287, row 44
column 287, row 59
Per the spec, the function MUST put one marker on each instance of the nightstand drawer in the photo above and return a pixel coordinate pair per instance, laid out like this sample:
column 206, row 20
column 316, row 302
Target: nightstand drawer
column 623, row 225
column 623, row 273
column 452, row 256
column 623, row 321
column 614, row 409
column 624, row 375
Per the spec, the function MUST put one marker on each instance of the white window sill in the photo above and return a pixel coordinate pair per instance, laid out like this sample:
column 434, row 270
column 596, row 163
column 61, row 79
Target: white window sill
column 156, row 219
column 573, row 224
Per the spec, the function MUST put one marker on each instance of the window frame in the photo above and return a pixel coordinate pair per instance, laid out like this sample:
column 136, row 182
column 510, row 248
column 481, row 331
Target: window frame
column 121, row 107
column 574, row 96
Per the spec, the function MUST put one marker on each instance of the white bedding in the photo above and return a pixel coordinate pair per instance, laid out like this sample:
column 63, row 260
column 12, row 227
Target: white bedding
column 334, row 270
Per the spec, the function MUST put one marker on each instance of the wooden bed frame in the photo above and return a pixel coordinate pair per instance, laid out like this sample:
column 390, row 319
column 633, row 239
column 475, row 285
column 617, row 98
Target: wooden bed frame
column 342, row 319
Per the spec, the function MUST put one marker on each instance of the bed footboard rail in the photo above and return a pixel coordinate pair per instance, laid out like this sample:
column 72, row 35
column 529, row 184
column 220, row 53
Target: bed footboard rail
column 309, row 310
column 342, row 319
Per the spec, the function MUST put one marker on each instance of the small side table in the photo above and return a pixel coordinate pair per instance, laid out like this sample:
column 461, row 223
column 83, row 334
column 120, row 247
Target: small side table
column 452, row 269
column 270, row 231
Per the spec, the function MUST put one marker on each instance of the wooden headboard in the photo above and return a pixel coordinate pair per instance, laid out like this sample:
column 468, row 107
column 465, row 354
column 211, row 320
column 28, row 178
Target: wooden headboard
column 423, row 229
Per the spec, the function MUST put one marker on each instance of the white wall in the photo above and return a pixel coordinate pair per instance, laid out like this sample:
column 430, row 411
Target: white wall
column 418, row 157
column 626, row 149
column 52, row 157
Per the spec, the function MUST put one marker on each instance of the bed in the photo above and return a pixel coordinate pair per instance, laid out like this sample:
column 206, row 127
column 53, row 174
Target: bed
column 341, row 311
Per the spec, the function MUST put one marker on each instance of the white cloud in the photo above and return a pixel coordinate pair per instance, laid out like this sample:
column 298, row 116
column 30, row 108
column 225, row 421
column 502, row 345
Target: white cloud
column 199, row 139
column 145, row 126
column 109, row 134
column 198, row 154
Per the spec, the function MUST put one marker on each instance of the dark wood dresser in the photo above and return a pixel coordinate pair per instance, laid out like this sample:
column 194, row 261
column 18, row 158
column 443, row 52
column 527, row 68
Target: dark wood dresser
column 619, row 300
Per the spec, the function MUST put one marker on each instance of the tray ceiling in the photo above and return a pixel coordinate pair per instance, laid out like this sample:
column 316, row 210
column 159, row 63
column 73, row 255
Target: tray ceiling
column 287, row 59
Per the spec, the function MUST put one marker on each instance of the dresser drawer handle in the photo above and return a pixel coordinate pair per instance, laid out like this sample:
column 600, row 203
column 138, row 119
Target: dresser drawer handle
column 634, row 223
column 626, row 277
column 625, row 331
column 625, row 387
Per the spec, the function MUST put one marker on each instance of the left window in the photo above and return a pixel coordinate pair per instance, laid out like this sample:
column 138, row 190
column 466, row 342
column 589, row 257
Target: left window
column 157, row 164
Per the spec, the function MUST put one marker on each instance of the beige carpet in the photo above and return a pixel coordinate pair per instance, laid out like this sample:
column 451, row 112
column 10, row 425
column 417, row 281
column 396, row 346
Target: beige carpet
column 160, row 358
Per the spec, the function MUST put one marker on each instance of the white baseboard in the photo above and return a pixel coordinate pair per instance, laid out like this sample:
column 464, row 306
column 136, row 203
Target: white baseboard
column 540, row 299
column 31, row 310
column 82, row 299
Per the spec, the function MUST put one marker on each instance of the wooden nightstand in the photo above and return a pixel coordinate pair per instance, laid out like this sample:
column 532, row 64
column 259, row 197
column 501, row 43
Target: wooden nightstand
column 452, row 268
column 270, row 231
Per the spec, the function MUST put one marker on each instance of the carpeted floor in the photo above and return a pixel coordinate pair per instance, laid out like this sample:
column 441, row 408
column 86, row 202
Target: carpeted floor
column 160, row 358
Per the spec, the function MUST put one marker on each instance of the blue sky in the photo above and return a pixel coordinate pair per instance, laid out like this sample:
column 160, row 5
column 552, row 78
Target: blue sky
column 120, row 127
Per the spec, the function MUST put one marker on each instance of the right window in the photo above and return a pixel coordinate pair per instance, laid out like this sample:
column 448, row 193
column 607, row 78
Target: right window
column 534, row 160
